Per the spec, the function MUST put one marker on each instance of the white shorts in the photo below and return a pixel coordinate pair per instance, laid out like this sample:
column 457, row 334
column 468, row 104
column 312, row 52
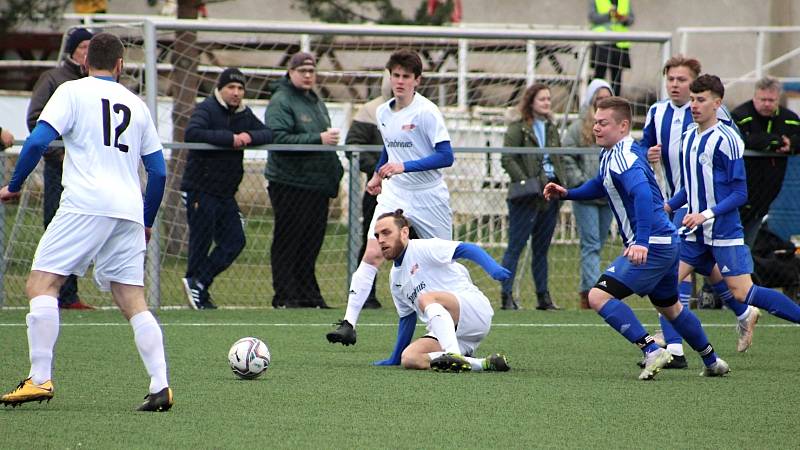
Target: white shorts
column 474, row 322
column 72, row 241
column 427, row 209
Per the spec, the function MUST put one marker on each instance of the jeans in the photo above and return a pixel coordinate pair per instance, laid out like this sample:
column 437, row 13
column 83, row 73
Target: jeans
column 527, row 219
column 593, row 222
column 212, row 219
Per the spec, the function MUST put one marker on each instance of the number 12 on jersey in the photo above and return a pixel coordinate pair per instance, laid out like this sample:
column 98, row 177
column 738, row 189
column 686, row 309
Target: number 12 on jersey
column 126, row 120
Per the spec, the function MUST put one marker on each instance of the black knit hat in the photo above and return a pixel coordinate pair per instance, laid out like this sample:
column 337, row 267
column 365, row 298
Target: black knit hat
column 75, row 38
column 231, row 75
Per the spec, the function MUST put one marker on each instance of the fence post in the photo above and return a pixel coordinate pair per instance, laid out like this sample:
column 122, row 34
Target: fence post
column 153, row 261
column 2, row 231
column 354, row 191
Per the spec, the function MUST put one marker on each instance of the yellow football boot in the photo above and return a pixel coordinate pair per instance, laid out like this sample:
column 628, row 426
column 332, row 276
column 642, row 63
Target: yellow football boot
column 28, row 392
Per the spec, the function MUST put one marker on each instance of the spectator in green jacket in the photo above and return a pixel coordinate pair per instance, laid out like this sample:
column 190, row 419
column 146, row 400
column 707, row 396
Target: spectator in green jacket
column 301, row 184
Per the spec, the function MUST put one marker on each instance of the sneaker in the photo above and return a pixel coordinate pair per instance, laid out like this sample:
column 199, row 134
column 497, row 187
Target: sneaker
column 206, row 304
column 654, row 362
column 451, row 362
column 496, row 362
column 194, row 293
column 161, row 401
column 718, row 369
column 77, row 304
column 372, row 303
column 745, row 329
column 344, row 334
column 26, row 391
column 678, row 362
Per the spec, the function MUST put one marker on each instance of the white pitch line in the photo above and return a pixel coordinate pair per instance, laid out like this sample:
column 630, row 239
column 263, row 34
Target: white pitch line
column 298, row 325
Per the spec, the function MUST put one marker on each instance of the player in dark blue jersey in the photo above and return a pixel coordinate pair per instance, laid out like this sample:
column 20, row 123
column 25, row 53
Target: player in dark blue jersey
column 649, row 263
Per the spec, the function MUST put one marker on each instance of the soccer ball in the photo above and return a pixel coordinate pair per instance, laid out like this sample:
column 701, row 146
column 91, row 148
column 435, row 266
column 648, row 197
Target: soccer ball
column 249, row 358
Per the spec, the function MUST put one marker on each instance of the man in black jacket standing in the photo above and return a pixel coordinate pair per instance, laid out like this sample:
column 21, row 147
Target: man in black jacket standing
column 210, row 182
column 70, row 68
column 770, row 129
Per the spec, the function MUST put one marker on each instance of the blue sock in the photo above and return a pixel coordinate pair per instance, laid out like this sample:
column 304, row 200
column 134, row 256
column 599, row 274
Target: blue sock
column 621, row 318
column 726, row 295
column 773, row 301
column 670, row 335
column 685, row 292
column 688, row 325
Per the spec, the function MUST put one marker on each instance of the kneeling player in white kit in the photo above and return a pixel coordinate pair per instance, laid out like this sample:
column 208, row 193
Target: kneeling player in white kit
column 408, row 177
column 427, row 281
column 106, row 130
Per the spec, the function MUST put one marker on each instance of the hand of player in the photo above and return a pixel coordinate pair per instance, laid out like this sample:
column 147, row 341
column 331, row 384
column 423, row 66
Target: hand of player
column 693, row 220
column 636, row 254
column 787, row 145
column 147, row 233
column 387, row 362
column 374, row 184
column 7, row 196
column 6, row 138
column 654, row 153
column 667, row 208
column 391, row 168
column 553, row 191
column 500, row 273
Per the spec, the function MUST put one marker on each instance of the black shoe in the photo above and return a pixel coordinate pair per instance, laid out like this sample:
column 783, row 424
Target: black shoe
column 372, row 303
column 678, row 362
column 194, row 292
column 206, row 304
column 450, row 362
column 278, row 303
column 544, row 302
column 161, row 401
column 344, row 334
column 508, row 301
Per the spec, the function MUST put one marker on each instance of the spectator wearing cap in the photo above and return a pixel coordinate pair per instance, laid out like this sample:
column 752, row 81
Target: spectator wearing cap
column 71, row 67
column 211, row 179
column 301, row 183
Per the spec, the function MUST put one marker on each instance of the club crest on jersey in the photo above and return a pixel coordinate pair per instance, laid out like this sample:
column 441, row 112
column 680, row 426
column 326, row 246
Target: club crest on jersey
column 703, row 159
column 414, row 269
column 408, row 127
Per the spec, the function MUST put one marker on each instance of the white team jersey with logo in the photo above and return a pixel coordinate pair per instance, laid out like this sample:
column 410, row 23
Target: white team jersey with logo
column 428, row 266
column 411, row 134
column 106, row 130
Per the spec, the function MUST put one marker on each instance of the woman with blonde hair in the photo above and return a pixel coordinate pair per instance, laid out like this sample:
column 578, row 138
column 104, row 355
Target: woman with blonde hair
column 593, row 217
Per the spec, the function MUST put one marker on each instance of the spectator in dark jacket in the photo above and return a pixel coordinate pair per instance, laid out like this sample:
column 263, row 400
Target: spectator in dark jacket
column 767, row 128
column 364, row 131
column 301, row 184
column 70, row 68
column 210, row 182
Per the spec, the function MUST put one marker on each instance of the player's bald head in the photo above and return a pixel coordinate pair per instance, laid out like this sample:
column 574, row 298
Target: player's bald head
column 105, row 49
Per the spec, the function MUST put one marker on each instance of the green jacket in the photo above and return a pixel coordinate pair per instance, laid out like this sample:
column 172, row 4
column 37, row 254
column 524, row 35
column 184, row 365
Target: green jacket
column 523, row 166
column 298, row 117
column 577, row 169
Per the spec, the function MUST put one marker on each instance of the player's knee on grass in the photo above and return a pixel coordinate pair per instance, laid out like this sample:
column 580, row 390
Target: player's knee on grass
column 414, row 360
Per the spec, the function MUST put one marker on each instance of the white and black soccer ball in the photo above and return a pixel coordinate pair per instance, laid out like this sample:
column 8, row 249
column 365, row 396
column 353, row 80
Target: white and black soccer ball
column 249, row 358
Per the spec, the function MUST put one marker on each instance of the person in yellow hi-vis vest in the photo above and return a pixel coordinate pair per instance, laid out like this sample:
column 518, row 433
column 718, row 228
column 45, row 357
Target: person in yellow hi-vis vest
column 90, row 6
column 616, row 16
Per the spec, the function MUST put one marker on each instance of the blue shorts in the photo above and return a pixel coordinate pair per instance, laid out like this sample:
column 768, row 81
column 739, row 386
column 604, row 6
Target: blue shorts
column 657, row 277
column 732, row 260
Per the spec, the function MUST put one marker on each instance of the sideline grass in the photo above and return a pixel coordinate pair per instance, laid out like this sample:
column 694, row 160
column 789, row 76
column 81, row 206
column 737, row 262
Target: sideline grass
column 573, row 385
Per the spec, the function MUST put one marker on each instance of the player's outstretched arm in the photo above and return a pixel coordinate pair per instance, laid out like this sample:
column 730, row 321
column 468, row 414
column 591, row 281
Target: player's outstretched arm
column 442, row 157
column 479, row 256
column 405, row 331
column 36, row 144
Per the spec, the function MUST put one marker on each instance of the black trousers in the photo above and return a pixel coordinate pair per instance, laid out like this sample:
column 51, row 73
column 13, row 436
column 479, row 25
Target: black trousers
column 53, row 168
column 217, row 220
column 368, row 204
column 300, row 220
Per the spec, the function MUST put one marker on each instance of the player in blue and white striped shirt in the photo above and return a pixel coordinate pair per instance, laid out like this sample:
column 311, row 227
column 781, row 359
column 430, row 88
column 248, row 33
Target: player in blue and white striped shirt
column 650, row 261
column 666, row 122
column 714, row 186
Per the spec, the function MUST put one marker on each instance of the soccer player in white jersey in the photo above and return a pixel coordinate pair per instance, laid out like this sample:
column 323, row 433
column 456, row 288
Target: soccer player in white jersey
column 408, row 176
column 106, row 130
column 714, row 186
column 649, row 264
column 665, row 123
column 428, row 283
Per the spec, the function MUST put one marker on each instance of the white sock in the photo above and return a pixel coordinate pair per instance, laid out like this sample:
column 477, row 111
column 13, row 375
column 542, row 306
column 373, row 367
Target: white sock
column 745, row 314
column 43, row 323
column 675, row 349
column 440, row 322
column 150, row 343
column 360, row 285
column 476, row 363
